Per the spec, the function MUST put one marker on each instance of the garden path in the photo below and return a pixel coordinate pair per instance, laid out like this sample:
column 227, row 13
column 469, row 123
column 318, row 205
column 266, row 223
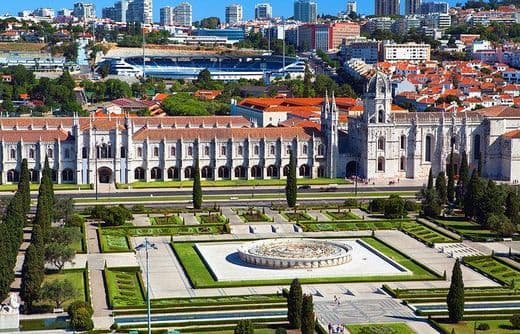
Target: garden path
column 189, row 219
column 316, row 214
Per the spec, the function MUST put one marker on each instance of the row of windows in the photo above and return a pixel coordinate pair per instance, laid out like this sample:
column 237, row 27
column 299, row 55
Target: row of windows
column 67, row 175
column 31, row 153
column 206, row 172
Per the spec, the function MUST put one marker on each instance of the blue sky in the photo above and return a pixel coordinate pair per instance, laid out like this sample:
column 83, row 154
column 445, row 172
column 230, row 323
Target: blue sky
column 201, row 8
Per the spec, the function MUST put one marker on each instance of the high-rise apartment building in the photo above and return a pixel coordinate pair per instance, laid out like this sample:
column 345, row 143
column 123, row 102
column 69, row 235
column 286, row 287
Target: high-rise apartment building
column 166, row 16
column 84, row 11
column 44, row 12
column 412, row 7
column 387, row 7
column 351, row 7
column 305, row 10
column 182, row 14
column 234, row 14
column 263, row 11
column 434, row 7
column 139, row 11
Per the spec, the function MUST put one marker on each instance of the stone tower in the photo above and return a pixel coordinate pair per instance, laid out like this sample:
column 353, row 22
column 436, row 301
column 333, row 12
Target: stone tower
column 378, row 99
column 329, row 128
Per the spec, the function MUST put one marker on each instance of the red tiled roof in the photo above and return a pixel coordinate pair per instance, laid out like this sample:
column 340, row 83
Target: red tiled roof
column 33, row 136
column 499, row 111
column 515, row 134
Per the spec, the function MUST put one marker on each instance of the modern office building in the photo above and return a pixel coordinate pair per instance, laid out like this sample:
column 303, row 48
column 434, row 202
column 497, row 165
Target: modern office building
column 182, row 15
column 434, row 7
column 140, row 11
column 166, row 16
column 263, row 11
column 412, row 7
column 44, row 12
column 234, row 14
column 84, row 11
column 117, row 12
column 305, row 11
column 351, row 7
column 387, row 7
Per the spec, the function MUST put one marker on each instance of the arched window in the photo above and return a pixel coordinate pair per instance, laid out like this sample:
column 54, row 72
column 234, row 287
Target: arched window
column 67, row 153
column 223, row 172
column 403, row 142
column 34, row 175
column 402, row 163
column 380, row 164
column 173, row 173
column 305, row 149
column 476, row 147
column 381, row 143
column 13, row 153
column 223, row 150
column 31, row 153
column 50, row 153
column 84, row 152
column 321, row 171
column 173, row 151
column 428, row 149
column 155, row 151
column 139, row 152
column 190, row 151
column 122, row 152
column 54, row 175
column 256, row 171
column 381, row 116
column 240, row 150
column 139, row 173
column 285, row 170
column 272, row 171
column 272, row 150
column 206, row 172
column 305, row 171
column 321, row 149
column 288, row 149
column 206, row 150
column 256, row 150
column 67, row 175
column 240, row 172
column 156, row 173
column 13, row 176
column 189, row 172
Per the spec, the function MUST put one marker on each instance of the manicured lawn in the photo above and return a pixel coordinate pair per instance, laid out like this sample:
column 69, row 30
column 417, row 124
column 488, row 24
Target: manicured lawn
column 351, row 226
column 219, row 300
column 466, row 228
column 494, row 268
column 75, row 276
column 257, row 331
column 342, row 215
column 253, row 215
column 78, row 245
column 43, row 324
column 211, row 219
column 123, row 287
column 467, row 327
column 230, row 183
column 297, row 216
column 397, row 328
column 425, row 234
column 113, row 243
column 166, row 220
column 35, row 186
column 200, row 276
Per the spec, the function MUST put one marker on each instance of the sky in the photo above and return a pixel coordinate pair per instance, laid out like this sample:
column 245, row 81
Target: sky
column 201, row 8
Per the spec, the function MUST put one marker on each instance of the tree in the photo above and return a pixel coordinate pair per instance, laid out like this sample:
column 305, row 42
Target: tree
column 64, row 235
column 58, row 291
column 394, row 207
column 471, row 195
column 440, row 187
column 308, row 318
column 294, row 304
column 515, row 321
column 32, row 276
column 197, row 187
column 513, row 207
column 24, row 187
column 204, row 78
column 455, row 298
column 463, row 178
column 45, row 199
column 307, row 85
column 450, row 195
column 430, row 180
column 80, row 314
column 244, row 327
column 291, row 186
column 58, row 254
column 63, row 209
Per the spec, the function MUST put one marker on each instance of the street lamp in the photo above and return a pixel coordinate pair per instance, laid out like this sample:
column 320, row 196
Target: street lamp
column 96, row 161
column 146, row 245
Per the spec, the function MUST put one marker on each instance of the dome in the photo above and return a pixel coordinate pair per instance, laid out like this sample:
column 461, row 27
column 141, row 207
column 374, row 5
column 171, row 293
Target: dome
column 379, row 83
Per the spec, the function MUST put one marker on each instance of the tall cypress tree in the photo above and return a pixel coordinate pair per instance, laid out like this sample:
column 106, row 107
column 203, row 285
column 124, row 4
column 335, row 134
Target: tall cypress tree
column 32, row 276
column 430, row 180
column 308, row 318
column 463, row 178
column 197, row 188
column 44, row 213
column 291, row 187
column 470, row 196
column 294, row 304
column 24, row 187
column 440, row 187
column 307, row 85
column 451, row 180
column 455, row 298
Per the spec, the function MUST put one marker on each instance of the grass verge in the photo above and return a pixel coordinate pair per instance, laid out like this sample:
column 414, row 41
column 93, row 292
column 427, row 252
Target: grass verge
column 397, row 328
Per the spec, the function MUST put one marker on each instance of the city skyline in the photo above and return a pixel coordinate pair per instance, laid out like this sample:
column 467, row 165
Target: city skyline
column 203, row 9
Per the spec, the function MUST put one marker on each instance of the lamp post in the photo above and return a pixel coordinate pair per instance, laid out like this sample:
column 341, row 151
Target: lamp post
column 146, row 245
column 96, row 162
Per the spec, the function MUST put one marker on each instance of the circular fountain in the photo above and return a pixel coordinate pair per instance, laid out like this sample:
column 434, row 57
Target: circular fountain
column 294, row 253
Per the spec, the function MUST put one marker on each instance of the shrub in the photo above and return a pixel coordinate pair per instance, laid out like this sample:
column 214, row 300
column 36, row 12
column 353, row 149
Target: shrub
column 394, row 207
column 74, row 306
column 411, row 206
column 76, row 220
column 515, row 321
column 377, row 205
column 112, row 216
column 138, row 208
column 280, row 330
column 483, row 326
column 376, row 329
column 351, row 203
column 81, row 320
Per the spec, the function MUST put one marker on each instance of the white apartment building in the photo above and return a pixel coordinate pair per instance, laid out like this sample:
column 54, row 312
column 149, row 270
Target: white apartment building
column 406, row 52
column 234, row 14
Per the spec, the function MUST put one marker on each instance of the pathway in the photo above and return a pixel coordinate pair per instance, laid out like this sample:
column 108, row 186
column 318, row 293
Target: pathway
column 319, row 216
column 141, row 220
column 277, row 217
column 189, row 219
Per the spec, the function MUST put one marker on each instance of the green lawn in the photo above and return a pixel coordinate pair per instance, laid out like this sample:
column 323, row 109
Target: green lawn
column 43, row 324
column 201, row 277
column 397, row 328
column 230, row 183
column 124, row 287
column 297, row 216
column 254, row 216
column 211, row 219
column 466, row 228
column 79, row 245
column 35, row 186
column 351, row 226
column 425, row 234
column 75, row 276
column 113, row 242
column 494, row 268
column 467, row 327
column 166, row 220
column 342, row 215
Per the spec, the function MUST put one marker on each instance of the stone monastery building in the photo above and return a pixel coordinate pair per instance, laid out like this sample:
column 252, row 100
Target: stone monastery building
column 375, row 143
